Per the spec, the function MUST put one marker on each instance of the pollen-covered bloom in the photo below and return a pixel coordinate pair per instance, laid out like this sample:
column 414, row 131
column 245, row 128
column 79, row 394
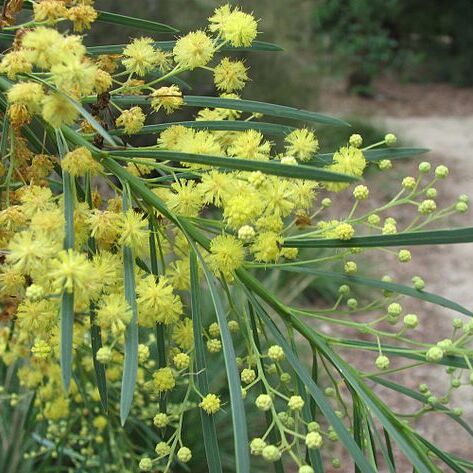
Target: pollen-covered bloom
column 230, row 75
column 347, row 160
column 226, row 255
column 267, row 247
column 113, row 309
column 70, row 271
column 157, row 302
column 58, row 110
column 250, row 144
column 141, row 57
column 183, row 334
column 236, row 27
column 29, row 94
column 134, row 230
column 169, row 98
column 132, row 120
column 15, row 62
column 302, row 144
column 210, row 403
column 49, row 11
column 195, row 49
column 82, row 16
column 163, row 379
column 79, row 162
column 75, row 76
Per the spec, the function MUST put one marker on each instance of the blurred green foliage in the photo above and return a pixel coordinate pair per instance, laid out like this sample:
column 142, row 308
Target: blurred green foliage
column 418, row 40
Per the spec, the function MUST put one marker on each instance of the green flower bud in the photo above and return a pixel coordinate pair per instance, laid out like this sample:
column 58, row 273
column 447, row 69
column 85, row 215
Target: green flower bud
column 382, row 362
column 344, row 289
column 434, row 354
column 361, row 192
column 404, row 256
column 427, row 207
column 394, row 309
column 431, row 193
column 385, row 164
column 411, row 321
column 390, row 139
column 409, row 182
column 441, row 172
column 350, row 267
column 356, row 140
column 271, row 453
column 352, row 303
column 425, row 167
column 326, row 202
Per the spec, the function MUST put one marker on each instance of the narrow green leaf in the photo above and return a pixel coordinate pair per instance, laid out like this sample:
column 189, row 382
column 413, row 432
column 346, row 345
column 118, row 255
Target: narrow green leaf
column 95, row 331
column 386, row 286
column 169, row 46
column 67, row 298
column 240, row 432
column 374, row 155
column 212, row 450
column 160, row 332
column 131, row 22
column 130, row 364
column 426, row 237
column 217, row 125
column 267, row 167
column 250, row 106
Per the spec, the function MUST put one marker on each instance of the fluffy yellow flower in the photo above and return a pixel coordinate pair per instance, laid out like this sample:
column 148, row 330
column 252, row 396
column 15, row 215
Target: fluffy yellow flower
column 71, row 271
column 134, row 230
column 348, row 160
column 226, row 255
column 210, row 403
column 236, row 27
column 58, row 111
column 230, row 75
column 215, row 186
column 302, row 144
column 27, row 252
column 103, row 81
column 195, row 49
column 29, row 94
column 250, row 144
column 267, row 247
column 183, row 334
column 169, row 98
column 141, row 57
column 186, row 199
column 163, row 380
column 82, row 16
column 157, row 302
column 49, row 11
column 241, row 209
column 131, row 120
column 43, row 47
column 113, row 309
column 15, row 62
column 75, row 76
column 79, row 162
